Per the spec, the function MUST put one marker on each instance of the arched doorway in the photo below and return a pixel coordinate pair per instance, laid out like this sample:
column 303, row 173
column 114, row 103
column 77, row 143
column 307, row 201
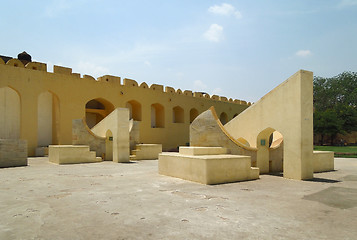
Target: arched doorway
column 276, row 152
column 178, row 115
column 193, row 114
column 47, row 119
column 270, row 151
column 223, row 118
column 9, row 113
column 108, row 146
column 157, row 116
column 96, row 110
column 134, row 110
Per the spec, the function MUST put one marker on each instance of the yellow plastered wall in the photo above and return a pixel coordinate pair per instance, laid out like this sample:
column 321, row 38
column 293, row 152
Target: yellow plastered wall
column 71, row 93
column 288, row 109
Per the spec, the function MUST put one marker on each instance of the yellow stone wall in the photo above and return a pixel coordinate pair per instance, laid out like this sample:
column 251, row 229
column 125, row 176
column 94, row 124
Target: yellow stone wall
column 71, row 92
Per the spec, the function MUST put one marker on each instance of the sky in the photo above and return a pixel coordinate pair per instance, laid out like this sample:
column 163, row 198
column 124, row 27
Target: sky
column 238, row 49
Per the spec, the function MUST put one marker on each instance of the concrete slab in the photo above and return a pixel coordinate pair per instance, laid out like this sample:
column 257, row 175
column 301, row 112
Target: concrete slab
column 108, row 200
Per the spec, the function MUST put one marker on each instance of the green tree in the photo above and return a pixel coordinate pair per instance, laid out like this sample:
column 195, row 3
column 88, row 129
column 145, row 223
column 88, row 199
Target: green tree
column 335, row 104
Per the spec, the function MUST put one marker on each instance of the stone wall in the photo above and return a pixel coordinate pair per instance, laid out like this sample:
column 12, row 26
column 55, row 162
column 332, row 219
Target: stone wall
column 13, row 153
column 81, row 135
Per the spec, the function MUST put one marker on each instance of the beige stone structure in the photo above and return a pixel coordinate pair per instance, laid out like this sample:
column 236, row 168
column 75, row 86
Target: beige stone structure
column 39, row 106
column 323, row 161
column 207, row 165
column 274, row 134
column 13, row 153
column 146, row 152
column 71, row 154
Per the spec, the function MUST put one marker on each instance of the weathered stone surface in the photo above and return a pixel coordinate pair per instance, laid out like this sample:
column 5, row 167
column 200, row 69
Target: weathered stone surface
column 207, row 131
column 209, row 168
column 81, row 135
column 13, row 153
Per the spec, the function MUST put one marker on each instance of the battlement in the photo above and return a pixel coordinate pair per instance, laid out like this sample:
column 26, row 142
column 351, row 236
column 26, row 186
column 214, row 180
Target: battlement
column 108, row 79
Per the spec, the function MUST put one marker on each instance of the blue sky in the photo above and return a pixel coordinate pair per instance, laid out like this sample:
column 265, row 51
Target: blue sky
column 238, row 49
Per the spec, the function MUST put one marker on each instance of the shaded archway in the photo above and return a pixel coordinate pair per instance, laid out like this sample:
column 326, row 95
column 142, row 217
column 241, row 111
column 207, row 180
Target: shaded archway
column 276, row 152
column 270, row 151
column 9, row 113
column 47, row 119
column 134, row 110
column 178, row 115
column 223, row 118
column 96, row 110
column 193, row 114
column 157, row 116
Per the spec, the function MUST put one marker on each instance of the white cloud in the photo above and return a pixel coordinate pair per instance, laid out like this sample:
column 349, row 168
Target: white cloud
column 346, row 3
column 303, row 53
column 88, row 68
column 225, row 9
column 214, row 33
column 147, row 63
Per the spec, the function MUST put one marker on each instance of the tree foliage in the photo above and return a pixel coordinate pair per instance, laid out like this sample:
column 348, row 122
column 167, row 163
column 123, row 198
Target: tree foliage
column 335, row 104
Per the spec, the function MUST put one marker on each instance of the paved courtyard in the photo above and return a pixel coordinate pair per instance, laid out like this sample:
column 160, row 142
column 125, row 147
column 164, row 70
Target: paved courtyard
column 131, row 201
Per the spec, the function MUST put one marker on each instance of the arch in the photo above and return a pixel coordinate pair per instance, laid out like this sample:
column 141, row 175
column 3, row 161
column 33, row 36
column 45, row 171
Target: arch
column 157, row 116
column 193, row 114
column 47, row 119
column 179, row 91
column 9, row 113
column 223, row 118
column 134, row 110
column 96, row 110
column 276, row 152
column 108, row 146
column 269, row 151
column 178, row 115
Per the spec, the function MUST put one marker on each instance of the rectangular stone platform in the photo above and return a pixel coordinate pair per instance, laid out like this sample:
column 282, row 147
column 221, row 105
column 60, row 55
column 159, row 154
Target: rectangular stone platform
column 323, row 161
column 146, row 152
column 71, row 154
column 13, row 153
column 207, row 169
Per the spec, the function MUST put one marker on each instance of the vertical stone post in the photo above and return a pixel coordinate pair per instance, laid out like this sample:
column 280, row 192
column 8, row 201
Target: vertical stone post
column 121, row 146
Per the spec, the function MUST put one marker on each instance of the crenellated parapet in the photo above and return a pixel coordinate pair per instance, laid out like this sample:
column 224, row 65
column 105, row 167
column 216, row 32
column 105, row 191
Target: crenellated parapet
column 108, row 79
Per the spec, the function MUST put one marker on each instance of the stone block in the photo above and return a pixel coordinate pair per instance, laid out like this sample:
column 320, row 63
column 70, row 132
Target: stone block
column 147, row 151
column 71, row 154
column 13, row 153
column 208, row 169
column 323, row 161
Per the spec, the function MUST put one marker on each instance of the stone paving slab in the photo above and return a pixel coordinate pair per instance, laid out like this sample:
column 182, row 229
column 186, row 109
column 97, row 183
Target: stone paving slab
column 110, row 200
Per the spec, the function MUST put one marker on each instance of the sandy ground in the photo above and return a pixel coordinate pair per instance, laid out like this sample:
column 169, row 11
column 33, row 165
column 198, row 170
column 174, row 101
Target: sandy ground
column 131, row 201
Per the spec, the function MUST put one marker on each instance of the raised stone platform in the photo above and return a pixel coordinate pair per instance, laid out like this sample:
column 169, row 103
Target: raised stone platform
column 211, row 168
column 71, row 154
column 323, row 161
column 194, row 151
column 146, row 151
column 13, row 153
